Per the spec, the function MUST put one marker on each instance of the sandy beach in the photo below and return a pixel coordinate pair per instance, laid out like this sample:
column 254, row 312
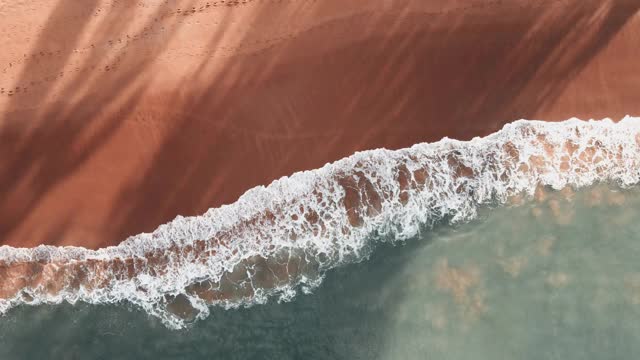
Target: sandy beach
column 117, row 116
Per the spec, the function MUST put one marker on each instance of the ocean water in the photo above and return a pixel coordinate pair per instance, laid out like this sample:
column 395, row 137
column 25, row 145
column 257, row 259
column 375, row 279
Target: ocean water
column 550, row 276
column 520, row 244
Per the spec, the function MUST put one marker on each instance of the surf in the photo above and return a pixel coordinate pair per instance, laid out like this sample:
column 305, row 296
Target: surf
column 279, row 240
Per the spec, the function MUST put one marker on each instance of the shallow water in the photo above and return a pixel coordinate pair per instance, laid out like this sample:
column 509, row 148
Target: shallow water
column 553, row 278
column 282, row 238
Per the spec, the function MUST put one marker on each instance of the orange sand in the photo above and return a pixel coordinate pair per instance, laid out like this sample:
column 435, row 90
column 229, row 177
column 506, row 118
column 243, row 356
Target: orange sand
column 117, row 116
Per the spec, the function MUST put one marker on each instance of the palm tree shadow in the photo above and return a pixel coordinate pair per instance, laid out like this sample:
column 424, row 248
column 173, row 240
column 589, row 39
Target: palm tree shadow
column 224, row 140
column 42, row 158
column 262, row 114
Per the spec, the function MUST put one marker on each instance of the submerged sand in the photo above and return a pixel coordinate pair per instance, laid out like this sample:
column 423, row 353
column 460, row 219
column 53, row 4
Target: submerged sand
column 117, row 116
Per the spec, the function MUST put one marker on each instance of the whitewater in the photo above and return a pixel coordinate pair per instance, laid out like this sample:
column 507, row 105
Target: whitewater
column 278, row 240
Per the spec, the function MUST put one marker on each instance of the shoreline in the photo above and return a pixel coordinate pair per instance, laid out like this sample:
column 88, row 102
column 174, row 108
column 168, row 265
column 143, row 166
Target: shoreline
column 181, row 118
column 276, row 239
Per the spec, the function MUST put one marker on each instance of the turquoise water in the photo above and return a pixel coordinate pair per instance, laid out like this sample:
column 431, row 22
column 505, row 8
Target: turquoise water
column 556, row 277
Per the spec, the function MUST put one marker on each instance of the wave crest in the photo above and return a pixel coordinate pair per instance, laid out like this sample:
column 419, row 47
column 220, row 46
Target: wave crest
column 278, row 239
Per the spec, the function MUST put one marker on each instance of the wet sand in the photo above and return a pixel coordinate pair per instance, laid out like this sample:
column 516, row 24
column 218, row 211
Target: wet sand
column 116, row 117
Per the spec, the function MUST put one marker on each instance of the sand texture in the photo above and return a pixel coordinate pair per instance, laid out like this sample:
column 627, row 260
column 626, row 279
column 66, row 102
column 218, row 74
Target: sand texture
column 116, row 116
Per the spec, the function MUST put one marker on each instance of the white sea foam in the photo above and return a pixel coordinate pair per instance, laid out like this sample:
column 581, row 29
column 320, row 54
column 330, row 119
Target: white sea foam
column 279, row 239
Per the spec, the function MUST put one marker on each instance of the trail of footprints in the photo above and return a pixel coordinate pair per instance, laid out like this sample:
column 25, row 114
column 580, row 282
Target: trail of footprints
column 145, row 31
column 41, row 57
column 72, row 67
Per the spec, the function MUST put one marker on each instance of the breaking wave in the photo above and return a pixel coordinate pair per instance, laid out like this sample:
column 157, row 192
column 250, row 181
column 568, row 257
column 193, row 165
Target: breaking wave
column 281, row 239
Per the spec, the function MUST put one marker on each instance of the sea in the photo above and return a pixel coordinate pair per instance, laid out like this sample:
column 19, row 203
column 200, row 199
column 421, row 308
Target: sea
column 519, row 245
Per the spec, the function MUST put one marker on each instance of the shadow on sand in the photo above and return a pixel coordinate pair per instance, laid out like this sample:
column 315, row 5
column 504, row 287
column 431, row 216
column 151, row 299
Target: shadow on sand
column 304, row 99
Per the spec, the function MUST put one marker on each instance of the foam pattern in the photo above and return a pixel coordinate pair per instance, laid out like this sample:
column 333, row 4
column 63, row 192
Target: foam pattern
column 278, row 240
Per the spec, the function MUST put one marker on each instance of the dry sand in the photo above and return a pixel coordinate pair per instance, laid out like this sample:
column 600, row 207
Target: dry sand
column 116, row 116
